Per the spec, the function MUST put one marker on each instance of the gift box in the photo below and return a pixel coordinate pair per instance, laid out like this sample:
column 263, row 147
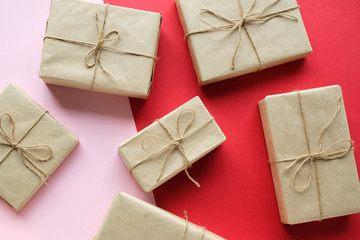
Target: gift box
column 100, row 47
column 131, row 218
column 229, row 38
column 311, row 155
column 171, row 144
column 32, row 145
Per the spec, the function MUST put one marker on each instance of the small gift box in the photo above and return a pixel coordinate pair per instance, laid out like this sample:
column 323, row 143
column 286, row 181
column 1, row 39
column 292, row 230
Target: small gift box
column 100, row 47
column 229, row 38
column 32, row 145
column 130, row 218
column 311, row 156
column 171, row 144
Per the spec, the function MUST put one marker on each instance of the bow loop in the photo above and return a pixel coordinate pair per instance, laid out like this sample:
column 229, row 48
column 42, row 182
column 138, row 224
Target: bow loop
column 230, row 26
column 297, row 172
column 108, row 38
column 7, row 124
column 184, row 121
column 154, row 143
column 40, row 153
column 336, row 150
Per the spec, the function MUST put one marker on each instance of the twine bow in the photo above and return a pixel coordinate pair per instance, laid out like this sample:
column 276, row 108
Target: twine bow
column 330, row 153
column 186, row 228
column 28, row 154
column 173, row 143
column 97, row 47
column 96, row 50
column 245, row 18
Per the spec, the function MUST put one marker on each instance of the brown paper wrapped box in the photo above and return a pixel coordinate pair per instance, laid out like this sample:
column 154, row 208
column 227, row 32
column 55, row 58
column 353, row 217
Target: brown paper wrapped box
column 226, row 41
column 32, row 145
column 311, row 156
column 171, row 144
column 100, row 47
column 130, row 218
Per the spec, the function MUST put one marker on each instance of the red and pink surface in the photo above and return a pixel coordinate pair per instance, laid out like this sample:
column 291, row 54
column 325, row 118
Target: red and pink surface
column 236, row 199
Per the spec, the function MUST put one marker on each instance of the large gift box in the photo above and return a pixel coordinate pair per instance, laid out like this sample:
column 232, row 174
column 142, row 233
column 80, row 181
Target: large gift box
column 171, row 144
column 100, row 47
column 310, row 154
column 228, row 38
column 130, row 218
column 32, row 145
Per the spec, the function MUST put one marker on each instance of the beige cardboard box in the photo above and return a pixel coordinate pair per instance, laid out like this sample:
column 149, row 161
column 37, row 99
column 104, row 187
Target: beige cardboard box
column 171, row 144
column 222, row 38
column 130, row 218
column 32, row 146
column 100, row 47
column 315, row 178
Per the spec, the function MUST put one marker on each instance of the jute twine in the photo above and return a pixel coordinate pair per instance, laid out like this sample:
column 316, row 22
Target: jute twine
column 96, row 48
column 186, row 228
column 28, row 153
column 237, row 24
column 313, row 157
column 173, row 143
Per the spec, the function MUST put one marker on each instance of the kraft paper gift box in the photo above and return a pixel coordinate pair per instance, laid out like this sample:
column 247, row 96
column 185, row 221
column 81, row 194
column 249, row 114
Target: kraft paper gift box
column 32, row 145
column 171, row 144
column 229, row 38
column 311, row 156
column 100, row 47
column 130, row 218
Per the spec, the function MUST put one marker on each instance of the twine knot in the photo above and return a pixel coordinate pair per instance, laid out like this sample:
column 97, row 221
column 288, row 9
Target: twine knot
column 246, row 17
column 335, row 151
column 28, row 153
column 13, row 145
column 174, row 142
column 177, row 142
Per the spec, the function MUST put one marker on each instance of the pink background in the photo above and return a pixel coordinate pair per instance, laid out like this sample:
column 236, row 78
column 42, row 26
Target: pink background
column 82, row 188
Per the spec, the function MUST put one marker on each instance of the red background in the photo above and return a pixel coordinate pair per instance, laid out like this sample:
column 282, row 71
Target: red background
column 236, row 199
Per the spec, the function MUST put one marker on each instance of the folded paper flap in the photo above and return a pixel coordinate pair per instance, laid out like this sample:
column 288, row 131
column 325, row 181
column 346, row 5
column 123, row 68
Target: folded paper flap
column 17, row 181
column 335, row 181
column 131, row 218
column 153, row 145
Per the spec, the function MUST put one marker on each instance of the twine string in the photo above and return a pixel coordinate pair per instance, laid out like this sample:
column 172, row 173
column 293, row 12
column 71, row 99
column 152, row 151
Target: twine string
column 186, row 228
column 336, row 150
column 92, row 58
column 237, row 24
column 28, row 153
column 172, row 143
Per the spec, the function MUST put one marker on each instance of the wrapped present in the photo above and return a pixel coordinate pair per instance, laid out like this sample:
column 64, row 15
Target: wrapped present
column 228, row 38
column 171, row 144
column 131, row 218
column 311, row 156
column 32, row 145
column 100, row 47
